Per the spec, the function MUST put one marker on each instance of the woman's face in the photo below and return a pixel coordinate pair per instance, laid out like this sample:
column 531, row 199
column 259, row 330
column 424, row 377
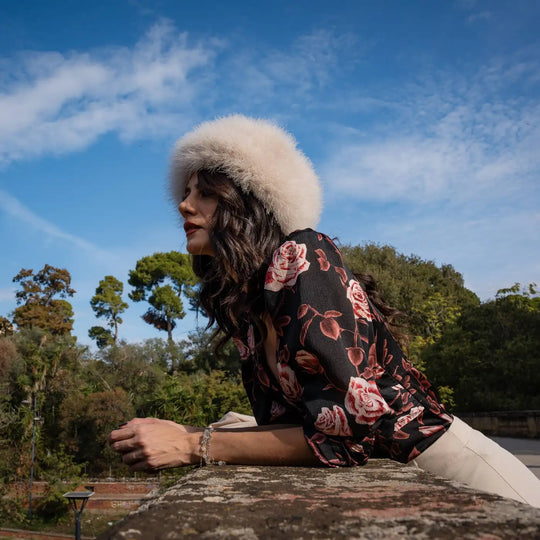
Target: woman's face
column 197, row 209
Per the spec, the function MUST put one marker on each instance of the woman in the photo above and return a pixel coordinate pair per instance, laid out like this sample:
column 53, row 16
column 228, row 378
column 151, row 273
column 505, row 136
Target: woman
column 326, row 378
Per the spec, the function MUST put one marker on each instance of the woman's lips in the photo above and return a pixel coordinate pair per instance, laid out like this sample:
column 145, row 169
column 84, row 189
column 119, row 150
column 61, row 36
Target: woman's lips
column 190, row 228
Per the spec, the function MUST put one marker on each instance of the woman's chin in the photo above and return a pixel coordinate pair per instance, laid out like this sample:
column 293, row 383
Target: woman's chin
column 195, row 248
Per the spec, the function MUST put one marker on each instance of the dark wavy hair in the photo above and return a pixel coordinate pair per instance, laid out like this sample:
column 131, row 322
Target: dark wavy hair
column 244, row 236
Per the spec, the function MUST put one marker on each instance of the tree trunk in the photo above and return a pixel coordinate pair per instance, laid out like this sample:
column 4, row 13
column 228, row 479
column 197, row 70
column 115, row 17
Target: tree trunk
column 169, row 329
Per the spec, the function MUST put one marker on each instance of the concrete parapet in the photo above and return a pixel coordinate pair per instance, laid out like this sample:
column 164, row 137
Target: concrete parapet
column 381, row 500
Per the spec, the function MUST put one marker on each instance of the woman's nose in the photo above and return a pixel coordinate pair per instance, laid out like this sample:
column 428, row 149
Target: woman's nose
column 185, row 208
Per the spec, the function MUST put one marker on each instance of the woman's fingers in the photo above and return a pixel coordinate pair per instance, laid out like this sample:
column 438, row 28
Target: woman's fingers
column 134, row 457
column 120, row 435
column 150, row 443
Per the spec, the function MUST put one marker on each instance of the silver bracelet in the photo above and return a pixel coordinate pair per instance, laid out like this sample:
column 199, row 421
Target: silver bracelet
column 206, row 459
column 205, row 446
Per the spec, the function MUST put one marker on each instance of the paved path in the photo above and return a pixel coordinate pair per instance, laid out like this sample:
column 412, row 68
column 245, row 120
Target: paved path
column 526, row 450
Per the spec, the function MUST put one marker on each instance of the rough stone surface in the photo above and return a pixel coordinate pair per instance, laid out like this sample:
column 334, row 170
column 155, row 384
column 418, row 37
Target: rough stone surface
column 381, row 500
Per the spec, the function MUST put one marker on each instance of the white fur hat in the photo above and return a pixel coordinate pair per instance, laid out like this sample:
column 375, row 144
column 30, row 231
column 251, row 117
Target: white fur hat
column 260, row 158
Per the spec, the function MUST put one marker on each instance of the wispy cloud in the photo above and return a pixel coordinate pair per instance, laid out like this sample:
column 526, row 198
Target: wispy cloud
column 53, row 102
column 447, row 138
column 310, row 61
column 13, row 207
column 291, row 77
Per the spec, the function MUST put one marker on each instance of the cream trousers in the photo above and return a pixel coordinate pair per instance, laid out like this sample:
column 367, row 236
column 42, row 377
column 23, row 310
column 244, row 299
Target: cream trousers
column 466, row 455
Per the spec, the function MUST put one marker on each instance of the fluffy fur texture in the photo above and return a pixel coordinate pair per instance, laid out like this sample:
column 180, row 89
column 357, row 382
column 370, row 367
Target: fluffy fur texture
column 260, row 158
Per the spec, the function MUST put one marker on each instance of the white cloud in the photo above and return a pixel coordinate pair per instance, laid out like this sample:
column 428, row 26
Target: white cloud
column 52, row 102
column 448, row 139
column 13, row 207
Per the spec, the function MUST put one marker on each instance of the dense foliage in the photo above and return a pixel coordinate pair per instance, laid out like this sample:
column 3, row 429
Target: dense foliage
column 490, row 355
column 64, row 399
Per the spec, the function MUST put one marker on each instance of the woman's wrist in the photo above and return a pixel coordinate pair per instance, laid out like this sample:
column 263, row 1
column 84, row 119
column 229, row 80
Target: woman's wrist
column 195, row 444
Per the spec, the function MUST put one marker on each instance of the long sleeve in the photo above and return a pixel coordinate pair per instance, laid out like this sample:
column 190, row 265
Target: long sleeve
column 337, row 363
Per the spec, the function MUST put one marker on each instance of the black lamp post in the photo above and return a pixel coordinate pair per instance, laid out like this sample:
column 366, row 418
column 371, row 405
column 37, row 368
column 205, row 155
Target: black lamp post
column 78, row 500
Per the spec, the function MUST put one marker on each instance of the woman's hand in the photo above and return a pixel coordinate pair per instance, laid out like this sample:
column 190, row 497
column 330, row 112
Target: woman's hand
column 152, row 444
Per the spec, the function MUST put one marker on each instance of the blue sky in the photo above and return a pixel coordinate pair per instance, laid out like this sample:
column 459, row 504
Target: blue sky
column 421, row 118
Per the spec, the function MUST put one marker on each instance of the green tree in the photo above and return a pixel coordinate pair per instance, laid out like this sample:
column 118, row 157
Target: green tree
column 200, row 355
column 37, row 369
column 431, row 296
column 490, row 356
column 42, row 371
column 108, row 303
column 102, row 336
column 165, row 354
column 198, row 399
column 6, row 328
column 128, row 367
column 44, row 357
column 87, row 422
column 41, row 300
column 149, row 282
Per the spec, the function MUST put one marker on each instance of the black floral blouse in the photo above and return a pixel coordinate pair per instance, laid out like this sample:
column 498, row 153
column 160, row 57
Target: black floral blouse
column 342, row 376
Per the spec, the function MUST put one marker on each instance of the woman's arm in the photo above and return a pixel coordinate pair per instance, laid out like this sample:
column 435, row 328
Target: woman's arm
column 150, row 443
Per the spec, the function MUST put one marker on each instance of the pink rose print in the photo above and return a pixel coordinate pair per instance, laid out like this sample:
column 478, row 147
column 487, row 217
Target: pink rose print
column 308, row 362
column 246, row 351
column 373, row 369
column 283, row 355
column 355, row 447
column 242, row 349
column 287, row 264
column 341, row 273
column 430, row 430
column 330, row 328
column 402, row 421
column 251, row 339
column 288, row 382
column 358, row 299
column 414, row 454
column 333, row 422
column 364, row 401
column 446, row 418
column 322, row 260
column 356, row 355
column 358, row 448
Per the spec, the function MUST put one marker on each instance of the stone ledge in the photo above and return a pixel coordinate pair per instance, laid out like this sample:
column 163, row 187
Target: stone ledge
column 381, row 500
